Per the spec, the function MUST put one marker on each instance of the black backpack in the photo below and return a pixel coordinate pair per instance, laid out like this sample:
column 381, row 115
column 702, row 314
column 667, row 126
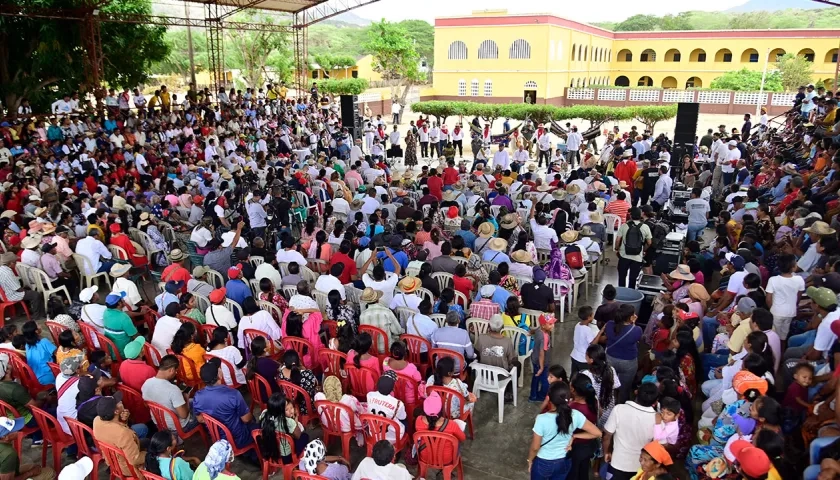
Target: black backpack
column 634, row 240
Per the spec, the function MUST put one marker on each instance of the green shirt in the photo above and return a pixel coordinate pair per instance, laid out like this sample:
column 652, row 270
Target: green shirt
column 201, row 473
column 17, row 396
column 182, row 469
column 622, row 232
column 119, row 328
column 8, row 459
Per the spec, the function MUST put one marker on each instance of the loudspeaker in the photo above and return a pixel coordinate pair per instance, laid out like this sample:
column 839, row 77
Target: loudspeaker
column 350, row 115
column 686, row 129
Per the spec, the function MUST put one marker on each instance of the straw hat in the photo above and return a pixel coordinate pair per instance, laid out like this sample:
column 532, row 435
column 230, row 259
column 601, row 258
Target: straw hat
column 508, row 221
column 145, row 219
column 497, row 244
column 682, row 272
column 532, row 168
column 544, row 188
column 409, row 284
column 177, row 255
column 569, row 236
column 49, row 228
column 622, row 185
column 356, row 204
column 820, row 228
column 558, row 194
column 596, row 217
column 30, row 242
column 8, row 214
column 370, row 295
column 40, row 211
column 486, row 229
column 450, row 196
column 572, row 189
column 120, row 269
column 586, row 231
column 521, row 256
column 698, row 292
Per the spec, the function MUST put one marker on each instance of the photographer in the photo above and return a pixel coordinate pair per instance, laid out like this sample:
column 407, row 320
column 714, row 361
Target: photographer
column 257, row 215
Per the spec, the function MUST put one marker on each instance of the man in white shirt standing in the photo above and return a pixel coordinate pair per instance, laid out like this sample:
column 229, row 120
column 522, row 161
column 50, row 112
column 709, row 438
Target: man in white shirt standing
column 256, row 215
column 628, row 429
column 640, row 148
column 719, row 153
column 573, row 143
column 662, row 190
column 501, row 158
column 395, row 112
column 544, row 141
column 434, row 140
column 728, row 166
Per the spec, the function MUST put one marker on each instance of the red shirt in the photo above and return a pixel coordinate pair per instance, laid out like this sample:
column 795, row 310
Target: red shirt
column 350, row 268
column 176, row 273
column 463, row 285
column 91, row 184
column 134, row 373
column 435, row 185
column 450, row 176
column 451, row 428
column 121, row 240
column 625, row 171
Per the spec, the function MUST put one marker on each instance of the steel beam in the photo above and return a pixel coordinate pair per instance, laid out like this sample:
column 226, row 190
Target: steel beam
column 329, row 9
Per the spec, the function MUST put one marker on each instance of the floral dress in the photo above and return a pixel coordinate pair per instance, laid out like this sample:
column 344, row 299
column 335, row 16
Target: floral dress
column 510, row 284
column 410, row 150
column 162, row 257
column 688, row 370
column 277, row 299
column 307, row 381
column 345, row 314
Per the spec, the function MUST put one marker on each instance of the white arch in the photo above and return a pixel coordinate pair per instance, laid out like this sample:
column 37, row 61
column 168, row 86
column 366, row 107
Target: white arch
column 488, row 50
column 520, row 49
column 457, row 50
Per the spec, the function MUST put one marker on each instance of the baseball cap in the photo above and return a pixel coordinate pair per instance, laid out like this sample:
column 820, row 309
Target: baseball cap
column 10, row 425
column 69, row 365
column 432, row 405
column 133, row 349
column 752, row 460
column 822, row 296
column 172, row 286
column 746, row 305
column 114, row 298
column 547, row 320
column 86, row 295
column 210, row 371
column 107, row 406
column 77, row 471
column 386, row 382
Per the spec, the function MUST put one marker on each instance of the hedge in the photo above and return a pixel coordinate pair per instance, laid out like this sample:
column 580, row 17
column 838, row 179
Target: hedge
column 345, row 86
column 595, row 114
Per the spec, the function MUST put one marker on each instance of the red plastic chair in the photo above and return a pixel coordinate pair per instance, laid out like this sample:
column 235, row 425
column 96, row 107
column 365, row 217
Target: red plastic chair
column 448, row 395
column 270, row 467
column 55, row 329
column 161, row 413
column 381, row 348
column 54, row 368
column 377, row 429
column 331, row 326
column 185, row 365
column 133, row 401
column 231, row 370
column 301, row 475
column 249, row 334
column 219, row 431
column 151, row 355
column 24, row 373
column 414, row 344
column 460, row 361
column 151, row 476
column 362, row 380
column 293, row 391
column 260, row 391
column 116, row 458
column 108, row 345
column 53, row 436
column 78, row 430
column 438, row 446
column 332, row 362
column 330, row 414
column 11, row 412
column 5, row 303
column 186, row 319
column 207, row 330
column 303, row 347
column 404, row 383
column 13, row 353
column 90, row 334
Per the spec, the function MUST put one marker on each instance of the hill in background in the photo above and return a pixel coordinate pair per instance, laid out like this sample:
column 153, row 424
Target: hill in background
column 772, row 5
column 735, row 20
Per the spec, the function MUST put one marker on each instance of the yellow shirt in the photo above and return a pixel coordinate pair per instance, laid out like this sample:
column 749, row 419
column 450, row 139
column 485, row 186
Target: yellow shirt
column 272, row 95
column 829, row 118
column 165, row 99
column 283, row 92
column 736, row 340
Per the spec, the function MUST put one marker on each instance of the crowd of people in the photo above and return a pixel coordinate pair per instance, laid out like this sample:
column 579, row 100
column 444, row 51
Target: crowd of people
column 326, row 279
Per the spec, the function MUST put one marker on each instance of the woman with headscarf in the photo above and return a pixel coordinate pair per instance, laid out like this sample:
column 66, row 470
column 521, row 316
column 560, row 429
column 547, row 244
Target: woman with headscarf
column 217, row 463
column 316, row 462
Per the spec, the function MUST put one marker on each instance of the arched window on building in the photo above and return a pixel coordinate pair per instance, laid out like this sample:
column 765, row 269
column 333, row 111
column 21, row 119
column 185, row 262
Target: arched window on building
column 462, row 88
column 457, row 50
column 488, row 88
column 488, row 50
column 520, row 49
column 474, row 88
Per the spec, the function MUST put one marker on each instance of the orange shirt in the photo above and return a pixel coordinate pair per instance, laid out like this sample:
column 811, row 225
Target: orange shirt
column 176, row 273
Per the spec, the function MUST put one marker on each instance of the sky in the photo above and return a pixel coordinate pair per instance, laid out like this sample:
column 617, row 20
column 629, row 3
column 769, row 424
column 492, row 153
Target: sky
column 606, row 11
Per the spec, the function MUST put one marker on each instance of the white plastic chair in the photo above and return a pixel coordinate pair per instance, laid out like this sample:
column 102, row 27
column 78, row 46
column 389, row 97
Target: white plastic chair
column 543, row 256
column 613, row 223
column 426, row 293
column 321, row 299
column 271, row 308
column 84, row 265
column 462, row 300
column 495, row 380
column 412, row 271
column 148, row 244
column 283, row 268
column 215, row 278
column 477, row 326
column 288, row 291
column 581, row 280
column 490, row 266
column 443, row 279
column 521, row 281
column 256, row 261
column 463, row 261
column 404, row 314
column 495, row 210
column 439, row 318
column 533, row 316
column 255, row 286
column 201, row 302
column 426, row 209
column 45, row 286
column 515, row 334
column 234, row 307
column 557, row 286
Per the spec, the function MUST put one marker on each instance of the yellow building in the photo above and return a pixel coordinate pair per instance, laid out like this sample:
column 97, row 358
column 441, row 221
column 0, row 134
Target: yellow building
column 362, row 69
column 511, row 58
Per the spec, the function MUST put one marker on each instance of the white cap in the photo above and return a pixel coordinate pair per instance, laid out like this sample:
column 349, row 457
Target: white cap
column 487, row 290
column 733, row 143
column 87, row 294
column 77, row 471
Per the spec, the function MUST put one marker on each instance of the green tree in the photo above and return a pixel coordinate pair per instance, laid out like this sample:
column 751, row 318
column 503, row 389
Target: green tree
column 178, row 60
column 794, row 71
column 344, row 86
column 750, row 21
column 330, row 63
column 638, row 23
column 249, row 51
column 423, row 35
column 394, row 57
column 653, row 114
column 40, row 59
column 748, row 80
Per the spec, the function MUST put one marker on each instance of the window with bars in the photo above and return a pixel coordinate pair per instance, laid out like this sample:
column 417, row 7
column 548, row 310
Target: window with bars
column 488, row 88
column 488, row 50
column 520, row 49
column 531, row 85
column 462, row 88
column 474, row 88
column 457, row 50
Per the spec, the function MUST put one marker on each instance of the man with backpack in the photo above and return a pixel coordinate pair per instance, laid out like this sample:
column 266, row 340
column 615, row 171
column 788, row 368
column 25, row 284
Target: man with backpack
column 633, row 238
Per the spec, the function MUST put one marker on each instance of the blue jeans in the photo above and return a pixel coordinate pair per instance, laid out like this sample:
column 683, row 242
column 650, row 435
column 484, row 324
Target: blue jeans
column 803, row 339
column 727, row 177
column 813, row 471
column 711, row 361
column 550, row 469
column 106, row 266
column 709, row 329
column 141, row 430
column 695, row 231
column 539, row 386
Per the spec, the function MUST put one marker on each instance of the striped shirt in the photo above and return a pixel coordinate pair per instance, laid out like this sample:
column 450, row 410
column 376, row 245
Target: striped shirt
column 484, row 308
column 620, row 208
column 377, row 315
column 455, row 339
column 10, row 284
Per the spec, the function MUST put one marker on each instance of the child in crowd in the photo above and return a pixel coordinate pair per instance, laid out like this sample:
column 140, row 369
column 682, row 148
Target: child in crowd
column 540, row 356
column 101, row 362
column 662, row 337
column 585, row 332
column 667, row 429
column 556, row 373
column 795, row 403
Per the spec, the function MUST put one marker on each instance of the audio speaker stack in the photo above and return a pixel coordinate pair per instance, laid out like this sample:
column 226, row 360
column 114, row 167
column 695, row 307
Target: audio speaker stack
column 350, row 117
column 686, row 129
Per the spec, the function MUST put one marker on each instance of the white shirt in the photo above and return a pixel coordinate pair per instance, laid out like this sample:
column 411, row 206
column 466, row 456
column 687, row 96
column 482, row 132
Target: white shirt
column 584, row 334
column 732, row 155
column 262, row 321
column 785, row 292
column 545, row 142
column 289, row 256
column 340, row 205
column 409, row 300
column 267, row 270
column 256, row 214
column 520, row 156
column 386, row 286
column 201, row 236
column 60, row 106
column 67, row 402
column 501, row 158
column 220, row 316
column 232, row 355
column 395, row 108
column 389, row 407
column 164, row 332
column 394, row 137
column 434, row 135
column 369, row 470
column 825, row 337
column 92, row 249
column 132, row 294
column 369, row 206
column 328, row 283
column 632, row 427
column 573, row 141
column 543, row 235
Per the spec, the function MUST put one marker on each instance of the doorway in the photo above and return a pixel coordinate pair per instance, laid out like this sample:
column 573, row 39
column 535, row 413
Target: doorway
column 530, row 97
